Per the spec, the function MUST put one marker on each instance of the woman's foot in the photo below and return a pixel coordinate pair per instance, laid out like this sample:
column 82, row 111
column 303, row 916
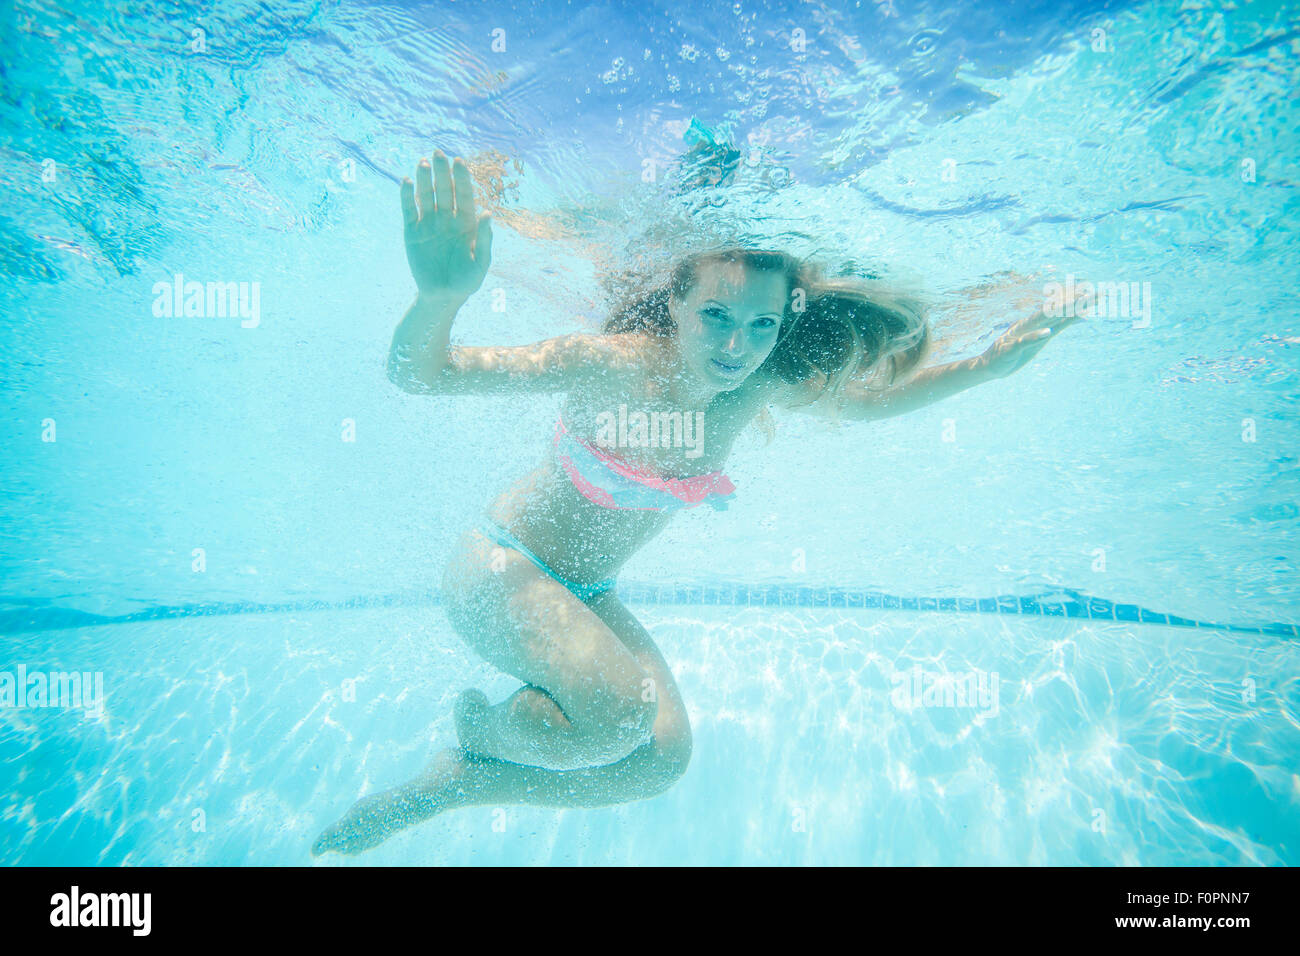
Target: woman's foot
column 375, row 818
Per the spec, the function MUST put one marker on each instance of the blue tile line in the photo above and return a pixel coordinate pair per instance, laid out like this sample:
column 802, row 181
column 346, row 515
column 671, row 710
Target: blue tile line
column 26, row 615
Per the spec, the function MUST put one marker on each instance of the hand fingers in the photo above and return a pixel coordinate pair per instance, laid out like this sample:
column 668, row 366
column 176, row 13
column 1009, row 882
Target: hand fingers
column 410, row 213
column 1037, row 321
column 424, row 187
column 1025, row 349
column 442, row 185
column 1027, row 345
column 483, row 242
column 464, row 187
column 1022, row 326
column 1031, row 326
column 1032, row 342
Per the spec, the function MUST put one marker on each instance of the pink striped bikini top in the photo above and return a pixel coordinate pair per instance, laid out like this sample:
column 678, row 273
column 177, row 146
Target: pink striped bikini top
column 612, row 483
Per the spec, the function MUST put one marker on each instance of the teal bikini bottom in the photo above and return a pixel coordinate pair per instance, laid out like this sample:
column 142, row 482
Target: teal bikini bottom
column 501, row 536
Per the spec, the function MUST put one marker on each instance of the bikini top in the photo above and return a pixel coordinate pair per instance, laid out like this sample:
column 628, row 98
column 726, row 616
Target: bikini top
column 612, row 483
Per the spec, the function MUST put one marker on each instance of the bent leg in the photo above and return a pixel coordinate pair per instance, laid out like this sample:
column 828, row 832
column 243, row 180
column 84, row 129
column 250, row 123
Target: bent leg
column 458, row 780
column 525, row 623
column 647, row 771
column 531, row 709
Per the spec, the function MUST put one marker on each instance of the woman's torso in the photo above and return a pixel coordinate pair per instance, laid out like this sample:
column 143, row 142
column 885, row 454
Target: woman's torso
column 583, row 541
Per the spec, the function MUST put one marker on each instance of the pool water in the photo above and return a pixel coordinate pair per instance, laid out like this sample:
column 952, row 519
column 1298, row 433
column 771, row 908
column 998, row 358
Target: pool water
column 1098, row 744
column 238, row 524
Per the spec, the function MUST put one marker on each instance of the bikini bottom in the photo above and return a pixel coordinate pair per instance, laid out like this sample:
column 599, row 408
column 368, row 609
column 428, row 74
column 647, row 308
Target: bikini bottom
column 504, row 538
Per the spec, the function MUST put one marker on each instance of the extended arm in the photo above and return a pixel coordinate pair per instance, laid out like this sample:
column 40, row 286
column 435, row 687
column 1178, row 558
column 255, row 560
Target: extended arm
column 1011, row 351
column 437, row 368
column 924, row 388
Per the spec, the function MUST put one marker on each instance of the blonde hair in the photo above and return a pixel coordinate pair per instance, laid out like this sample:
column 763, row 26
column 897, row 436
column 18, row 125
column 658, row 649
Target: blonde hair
column 852, row 329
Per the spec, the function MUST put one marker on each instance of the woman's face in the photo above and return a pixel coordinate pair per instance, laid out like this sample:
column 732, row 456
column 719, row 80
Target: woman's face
column 727, row 322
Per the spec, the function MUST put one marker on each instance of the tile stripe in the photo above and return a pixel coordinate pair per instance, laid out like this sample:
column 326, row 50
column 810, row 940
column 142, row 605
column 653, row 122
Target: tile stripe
column 25, row 615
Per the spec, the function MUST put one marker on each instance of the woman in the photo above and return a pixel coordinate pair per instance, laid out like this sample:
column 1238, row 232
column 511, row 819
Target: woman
column 653, row 406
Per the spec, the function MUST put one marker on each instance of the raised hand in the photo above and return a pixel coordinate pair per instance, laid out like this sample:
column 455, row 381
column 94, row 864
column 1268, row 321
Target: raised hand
column 447, row 246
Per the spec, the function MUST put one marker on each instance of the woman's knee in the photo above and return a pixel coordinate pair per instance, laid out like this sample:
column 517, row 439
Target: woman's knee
column 672, row 741
column 668, row 765
column 626, row 721
column 606, row 727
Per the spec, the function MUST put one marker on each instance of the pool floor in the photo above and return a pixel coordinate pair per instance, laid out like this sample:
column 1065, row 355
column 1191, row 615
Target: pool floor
column 820, row 737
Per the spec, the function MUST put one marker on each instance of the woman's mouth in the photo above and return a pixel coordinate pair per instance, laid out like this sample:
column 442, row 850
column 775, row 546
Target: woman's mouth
column 728, row 369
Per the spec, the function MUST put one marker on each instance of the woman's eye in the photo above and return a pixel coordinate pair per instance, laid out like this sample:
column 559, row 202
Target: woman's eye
column 715, row 313
column 765, row 323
